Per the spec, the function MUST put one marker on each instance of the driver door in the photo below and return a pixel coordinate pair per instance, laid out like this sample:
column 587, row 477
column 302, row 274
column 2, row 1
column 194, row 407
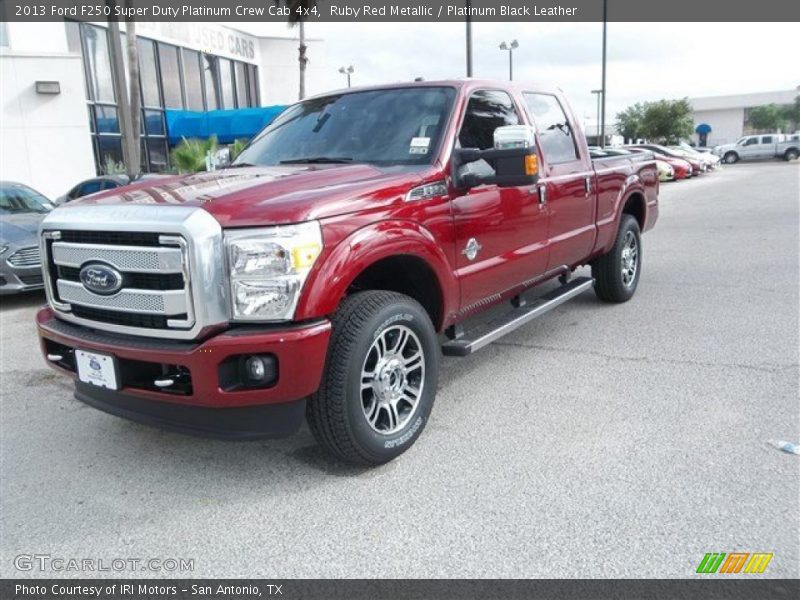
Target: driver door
column 501, row 233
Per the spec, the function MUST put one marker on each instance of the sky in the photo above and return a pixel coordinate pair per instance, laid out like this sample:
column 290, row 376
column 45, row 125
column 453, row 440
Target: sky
column 646, row 61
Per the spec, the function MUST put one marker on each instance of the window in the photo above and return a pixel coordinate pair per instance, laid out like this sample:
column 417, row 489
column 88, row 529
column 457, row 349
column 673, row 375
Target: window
column 106, row 120
column 193, row 82
column 98, row 64
column 252, row 84
column 90, row 187
column 486, row 111
column 241, row 84
column 170, row 76
column 555, row 133
column 148, row 73
column 211, row 80
column 226, row 83
column 751, row 141
column 767, row 139
column 3, row 34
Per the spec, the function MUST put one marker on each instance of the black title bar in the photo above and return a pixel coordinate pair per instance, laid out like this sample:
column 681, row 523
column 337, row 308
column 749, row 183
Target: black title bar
column 368, row 11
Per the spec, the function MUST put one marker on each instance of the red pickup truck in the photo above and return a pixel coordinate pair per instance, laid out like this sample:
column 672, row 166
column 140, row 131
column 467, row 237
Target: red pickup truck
column 325, row 271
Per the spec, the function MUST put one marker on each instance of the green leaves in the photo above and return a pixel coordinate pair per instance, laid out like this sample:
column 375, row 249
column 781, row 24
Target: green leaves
column 664, row 121
column 189, row 156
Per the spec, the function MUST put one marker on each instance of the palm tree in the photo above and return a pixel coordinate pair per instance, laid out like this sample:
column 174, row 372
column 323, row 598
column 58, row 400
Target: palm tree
column 297, row 12
column 134, row 91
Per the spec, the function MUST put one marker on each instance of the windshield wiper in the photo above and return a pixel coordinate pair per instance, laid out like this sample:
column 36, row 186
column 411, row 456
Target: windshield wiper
column 237, row 165
column 317, row 160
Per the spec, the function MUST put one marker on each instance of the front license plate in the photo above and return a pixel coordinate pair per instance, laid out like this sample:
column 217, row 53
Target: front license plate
column 97, row 369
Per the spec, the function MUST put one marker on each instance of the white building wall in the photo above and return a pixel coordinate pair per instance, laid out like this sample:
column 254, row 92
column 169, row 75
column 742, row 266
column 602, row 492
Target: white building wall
column 726, row 124
column 279, row 76
column 44, row 139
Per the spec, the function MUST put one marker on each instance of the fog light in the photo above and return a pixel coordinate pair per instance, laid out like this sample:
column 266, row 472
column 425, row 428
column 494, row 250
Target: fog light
column 255, row 368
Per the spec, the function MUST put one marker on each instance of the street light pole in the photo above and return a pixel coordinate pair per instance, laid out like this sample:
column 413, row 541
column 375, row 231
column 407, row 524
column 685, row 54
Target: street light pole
column 347, row 71
column 510, row 47
column 469, row 39
column 603, row 109
column 598, row 93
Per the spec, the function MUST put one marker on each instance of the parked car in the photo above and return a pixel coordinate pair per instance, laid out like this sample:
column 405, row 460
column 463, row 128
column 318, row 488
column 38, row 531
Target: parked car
column 99, row 184
column 754, row 147
column 21, row 211
column 665, row 171
column 710, row 161
column 315, row 275
column 680, row 167
column 698, row 166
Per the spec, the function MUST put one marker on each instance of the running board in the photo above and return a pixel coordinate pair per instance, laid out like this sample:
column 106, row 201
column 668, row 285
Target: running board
column 485, row 334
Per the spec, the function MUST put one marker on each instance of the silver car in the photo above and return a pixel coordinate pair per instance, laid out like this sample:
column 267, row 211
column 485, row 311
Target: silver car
column 21, row 211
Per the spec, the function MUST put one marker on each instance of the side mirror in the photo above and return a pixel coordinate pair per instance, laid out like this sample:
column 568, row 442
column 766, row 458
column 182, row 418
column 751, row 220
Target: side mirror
column 513, row 159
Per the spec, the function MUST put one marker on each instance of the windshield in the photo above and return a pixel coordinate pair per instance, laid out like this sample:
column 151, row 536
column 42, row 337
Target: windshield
column 16, row 199
column 399, row 126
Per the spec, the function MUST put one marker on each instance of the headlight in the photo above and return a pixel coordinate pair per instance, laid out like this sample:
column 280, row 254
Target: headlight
column 268, row 267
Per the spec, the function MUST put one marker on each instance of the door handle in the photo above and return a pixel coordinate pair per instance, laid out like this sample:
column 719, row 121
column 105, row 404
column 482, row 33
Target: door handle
column 542, row 193
column 588, row 182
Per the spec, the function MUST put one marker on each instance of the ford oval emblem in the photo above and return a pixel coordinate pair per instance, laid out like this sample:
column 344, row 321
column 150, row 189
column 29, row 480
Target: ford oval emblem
column 101, row 279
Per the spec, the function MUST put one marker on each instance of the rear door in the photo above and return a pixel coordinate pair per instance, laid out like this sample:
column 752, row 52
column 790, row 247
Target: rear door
column 566, row 181
column 766, row 149
column 501, row 233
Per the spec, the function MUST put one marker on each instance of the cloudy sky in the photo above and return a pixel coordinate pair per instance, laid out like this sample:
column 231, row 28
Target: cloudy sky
column 646, row 61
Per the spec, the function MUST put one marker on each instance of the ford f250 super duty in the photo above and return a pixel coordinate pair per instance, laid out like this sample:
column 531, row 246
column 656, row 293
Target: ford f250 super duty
column 324, row 272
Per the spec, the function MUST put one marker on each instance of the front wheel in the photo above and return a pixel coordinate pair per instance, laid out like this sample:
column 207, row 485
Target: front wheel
column 730, row 158
column 616, row 273
column 380, row 378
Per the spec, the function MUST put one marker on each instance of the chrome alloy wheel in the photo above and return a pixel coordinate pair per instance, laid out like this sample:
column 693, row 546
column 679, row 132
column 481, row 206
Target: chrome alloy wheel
column 392, row 379
column 630, row 259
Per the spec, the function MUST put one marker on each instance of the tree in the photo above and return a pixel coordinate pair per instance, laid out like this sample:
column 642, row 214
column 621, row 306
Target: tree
column 769, row 117
column 667, row 121
column 792, row 112
column 299, row 11
column 629, row 121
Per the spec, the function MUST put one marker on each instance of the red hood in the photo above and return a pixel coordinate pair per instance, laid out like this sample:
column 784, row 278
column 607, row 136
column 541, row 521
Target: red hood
column 250, row 196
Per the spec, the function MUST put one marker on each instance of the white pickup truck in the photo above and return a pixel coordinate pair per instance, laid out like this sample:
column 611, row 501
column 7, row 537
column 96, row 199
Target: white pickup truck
column 754, row 147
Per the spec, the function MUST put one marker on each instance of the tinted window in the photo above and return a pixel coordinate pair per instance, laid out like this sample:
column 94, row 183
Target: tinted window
column 767, row 139
column 486, row 111
column 555, row 133
column 241, row 85
column 193, row 81
column 20, row 199
column 148, row 73
column 211, row 80
column 252, row 83
column 90, row 187
column 396, row 126
column 98, row 64
column 110, row 185
column 751, row 141
column 226, row 83
column 170, row 76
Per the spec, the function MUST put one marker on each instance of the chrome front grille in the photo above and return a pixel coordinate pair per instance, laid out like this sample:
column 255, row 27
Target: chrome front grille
column 169, row 259
column 26, row 257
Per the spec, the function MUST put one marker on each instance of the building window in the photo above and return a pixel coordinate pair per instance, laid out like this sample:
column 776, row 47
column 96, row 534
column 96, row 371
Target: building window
column 171, row 77
column 193, row 81
column 252, row 83
column 97, row 64
column 240, row 73
column 211, row 81
column 226, row 83
column 3, row 35
column 148, row 72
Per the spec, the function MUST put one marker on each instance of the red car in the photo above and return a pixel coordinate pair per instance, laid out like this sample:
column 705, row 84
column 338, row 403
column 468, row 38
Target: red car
column 683, row 169
column 323, row 274
column 663, row 151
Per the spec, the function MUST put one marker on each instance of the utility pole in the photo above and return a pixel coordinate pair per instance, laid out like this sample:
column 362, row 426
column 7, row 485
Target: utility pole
column 603, row 109
column 598, row 93
column 469, row 39
column 129, row 150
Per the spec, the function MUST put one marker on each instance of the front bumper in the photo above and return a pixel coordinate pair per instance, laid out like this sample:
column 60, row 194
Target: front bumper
column 14, row 280
column 202, row 404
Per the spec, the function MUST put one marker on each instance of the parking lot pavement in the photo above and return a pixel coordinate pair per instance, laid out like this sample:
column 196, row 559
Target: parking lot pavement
column 602, row 441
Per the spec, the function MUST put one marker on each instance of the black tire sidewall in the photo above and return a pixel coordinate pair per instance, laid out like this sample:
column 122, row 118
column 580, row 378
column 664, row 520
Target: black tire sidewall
column 379, row 447
column 732, row 156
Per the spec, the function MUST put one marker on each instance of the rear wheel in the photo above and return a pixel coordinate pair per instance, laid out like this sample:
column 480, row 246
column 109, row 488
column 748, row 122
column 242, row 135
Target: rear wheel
column 380, row 377
column 617, row 273
column 791, row 154
column 730, row 158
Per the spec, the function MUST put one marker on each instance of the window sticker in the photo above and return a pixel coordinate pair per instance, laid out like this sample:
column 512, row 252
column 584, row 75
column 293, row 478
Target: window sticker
column 419, row 145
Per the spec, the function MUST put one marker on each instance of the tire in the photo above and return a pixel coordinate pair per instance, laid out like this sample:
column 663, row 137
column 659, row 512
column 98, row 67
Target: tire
column 791, row 154
column 730, row 158
column 614, row 281
column 357, row 423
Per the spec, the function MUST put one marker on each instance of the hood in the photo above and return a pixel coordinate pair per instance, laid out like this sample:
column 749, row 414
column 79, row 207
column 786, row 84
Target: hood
column 250, row 196
column 19, row 227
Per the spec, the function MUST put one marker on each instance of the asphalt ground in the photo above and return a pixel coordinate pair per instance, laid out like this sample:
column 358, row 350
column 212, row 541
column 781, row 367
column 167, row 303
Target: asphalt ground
column 600, row 441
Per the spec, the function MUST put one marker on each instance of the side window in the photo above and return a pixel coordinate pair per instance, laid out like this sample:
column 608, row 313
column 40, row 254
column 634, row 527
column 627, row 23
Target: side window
column 555, row 133
column 110, row 185
column 751, row 141
column 486, row 111
column 90, row 187
column 767, row 139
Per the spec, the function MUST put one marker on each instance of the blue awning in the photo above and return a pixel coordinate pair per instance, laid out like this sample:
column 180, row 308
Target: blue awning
column 227, row 125
column 703, row 128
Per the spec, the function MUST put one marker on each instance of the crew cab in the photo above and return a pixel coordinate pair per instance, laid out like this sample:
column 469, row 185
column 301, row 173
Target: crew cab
column 358, row 237
column 756, row 147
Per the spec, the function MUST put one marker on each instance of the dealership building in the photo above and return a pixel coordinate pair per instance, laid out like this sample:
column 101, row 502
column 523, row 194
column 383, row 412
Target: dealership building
column 59, row 119
column 724, row 119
